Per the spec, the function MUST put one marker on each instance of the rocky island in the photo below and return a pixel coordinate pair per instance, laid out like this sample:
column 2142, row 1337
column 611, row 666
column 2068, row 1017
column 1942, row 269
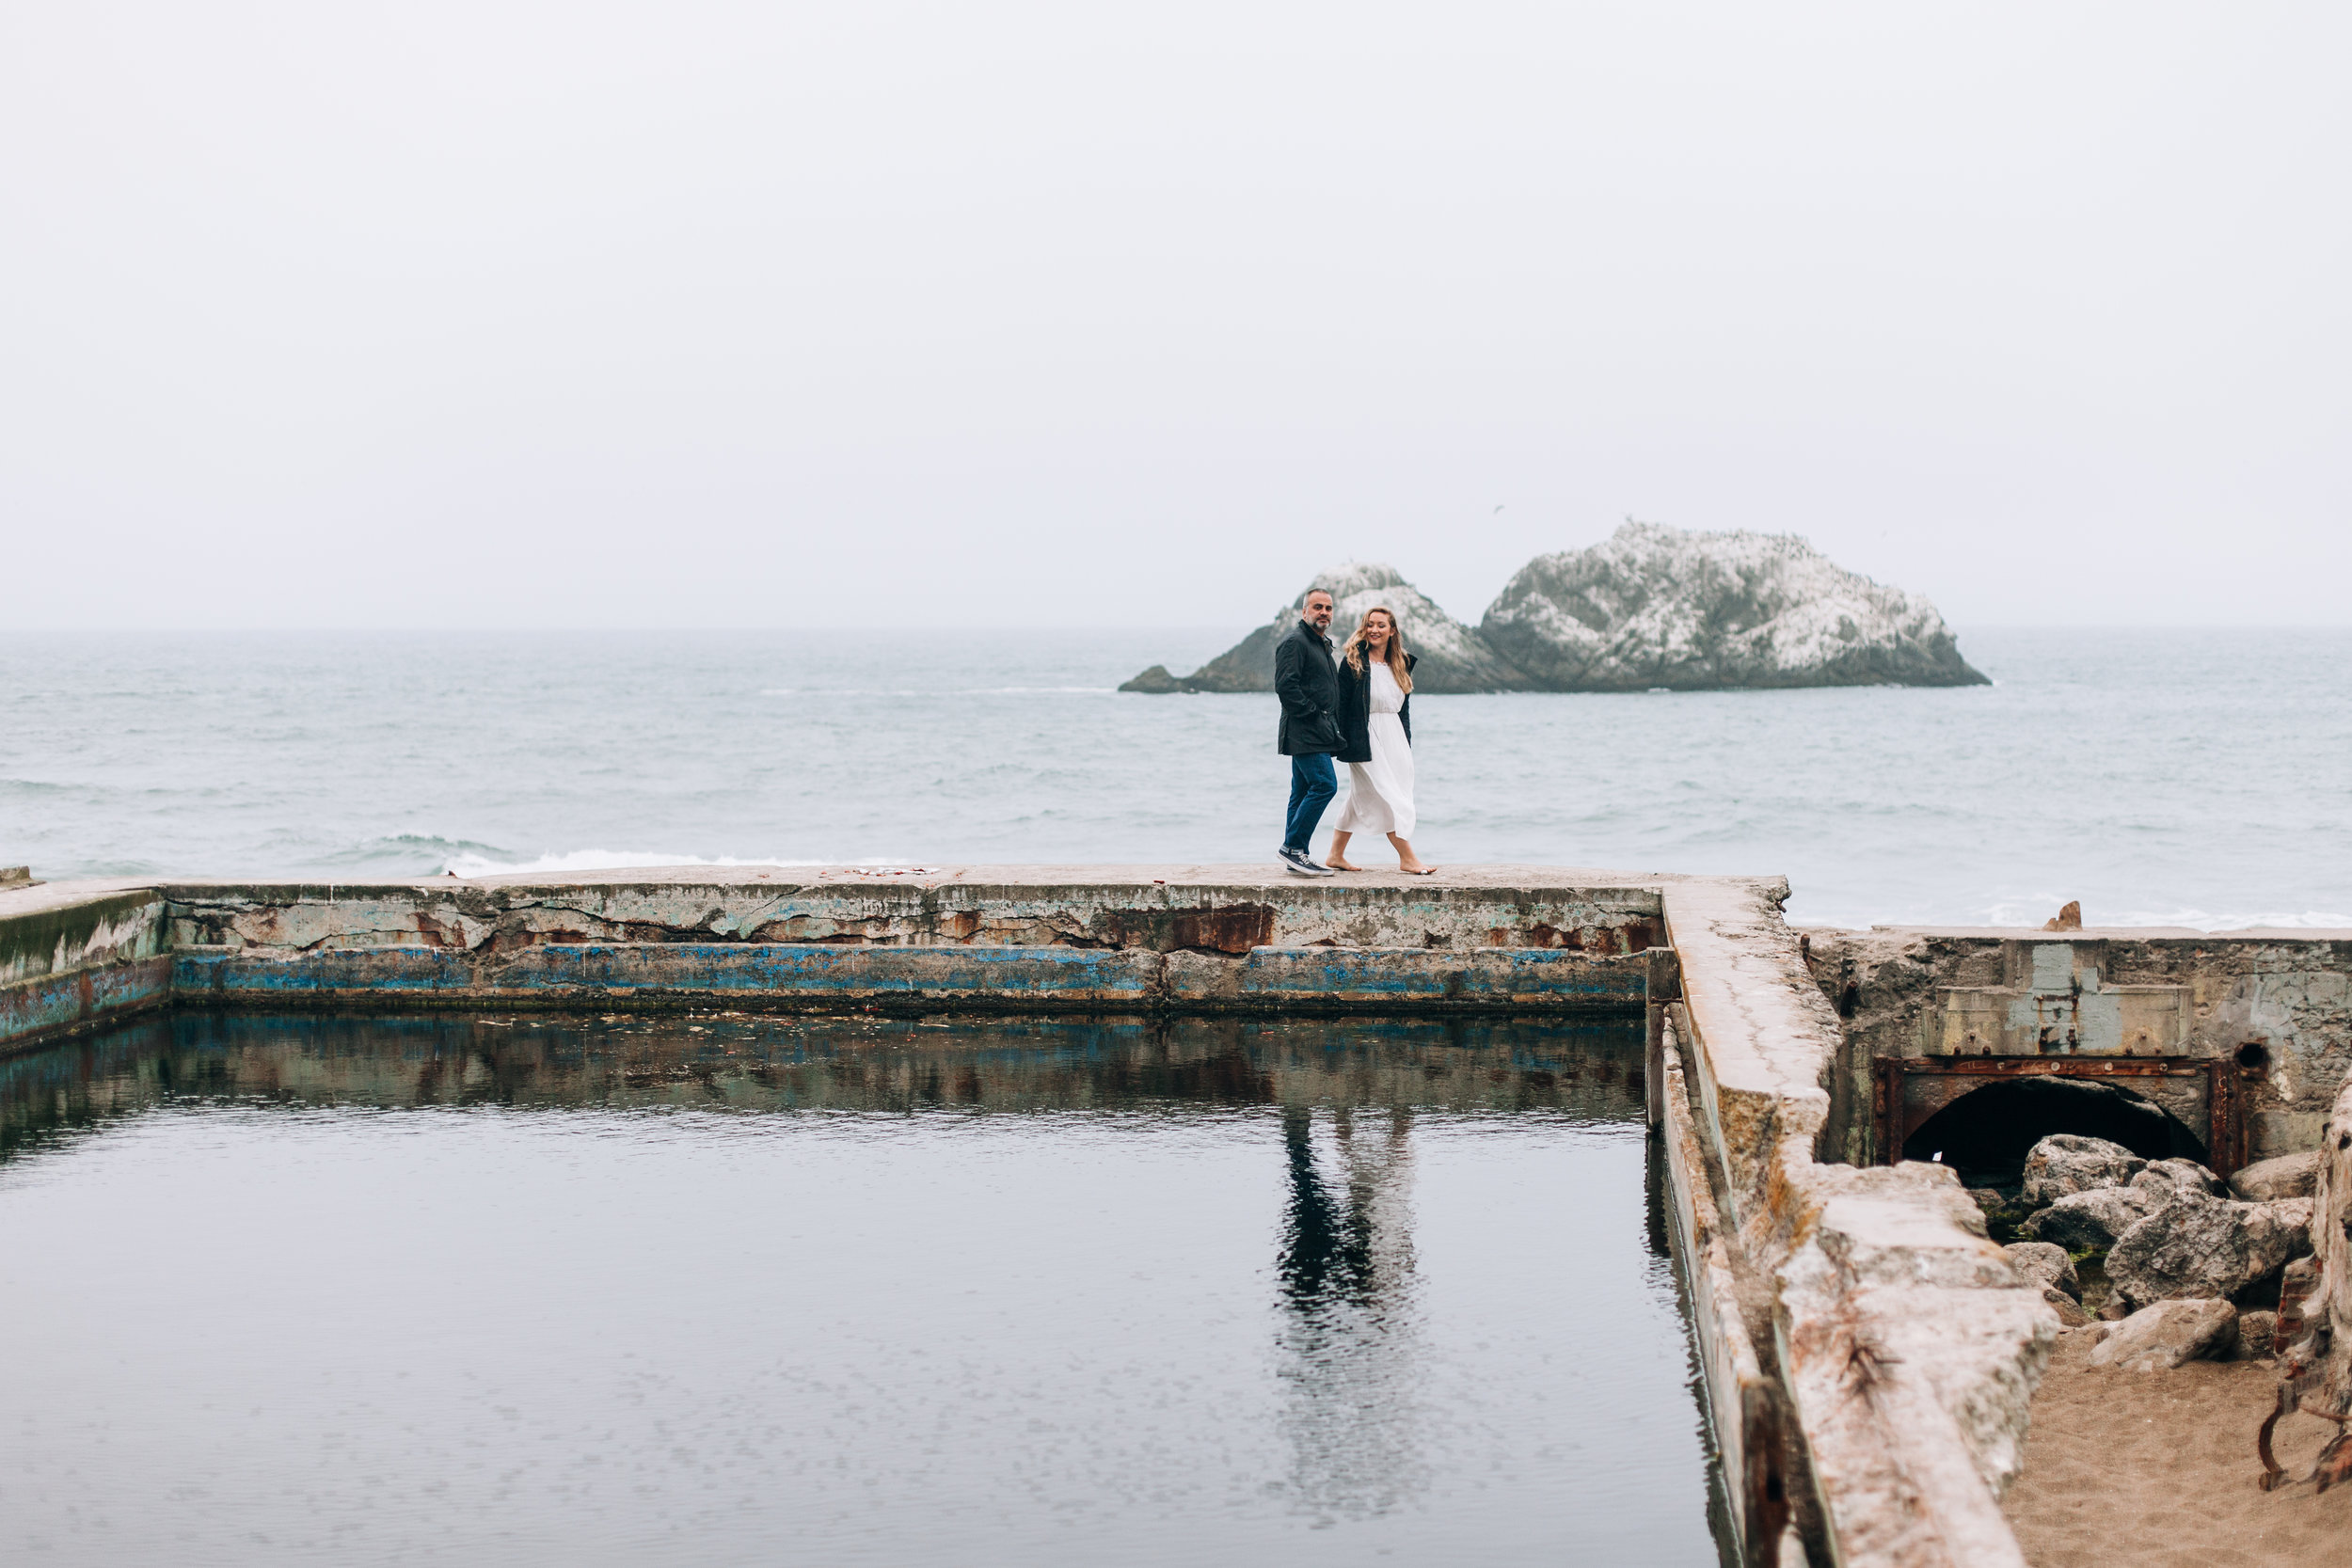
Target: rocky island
column 1649, row 607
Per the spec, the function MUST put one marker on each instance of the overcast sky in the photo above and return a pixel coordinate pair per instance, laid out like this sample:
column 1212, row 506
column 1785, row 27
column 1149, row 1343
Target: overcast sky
column 590, row 315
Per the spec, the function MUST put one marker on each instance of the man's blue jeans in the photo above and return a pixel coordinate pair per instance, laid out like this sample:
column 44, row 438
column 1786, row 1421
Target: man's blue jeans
column 1312, row 784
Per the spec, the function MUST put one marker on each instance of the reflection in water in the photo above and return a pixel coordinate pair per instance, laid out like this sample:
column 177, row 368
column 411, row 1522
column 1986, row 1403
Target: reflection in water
column 737, row 1062
column 838, row 1292
column 1349, row 1330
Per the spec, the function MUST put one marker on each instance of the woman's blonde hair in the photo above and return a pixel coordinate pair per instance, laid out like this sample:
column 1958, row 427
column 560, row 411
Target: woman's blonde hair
column 1396, row 648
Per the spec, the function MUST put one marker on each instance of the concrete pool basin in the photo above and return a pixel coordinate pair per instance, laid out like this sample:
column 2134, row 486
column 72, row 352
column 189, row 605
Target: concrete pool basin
column 1868, row 1356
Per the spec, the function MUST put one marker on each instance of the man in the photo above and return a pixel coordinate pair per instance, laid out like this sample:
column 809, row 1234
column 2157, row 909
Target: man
column 1307, row 679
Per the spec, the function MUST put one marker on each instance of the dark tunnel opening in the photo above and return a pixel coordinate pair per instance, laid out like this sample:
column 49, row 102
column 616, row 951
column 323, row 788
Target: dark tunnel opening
column 1986, row 1134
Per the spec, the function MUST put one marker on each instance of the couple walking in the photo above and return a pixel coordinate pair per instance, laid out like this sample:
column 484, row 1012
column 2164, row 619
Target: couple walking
column 1355, row 705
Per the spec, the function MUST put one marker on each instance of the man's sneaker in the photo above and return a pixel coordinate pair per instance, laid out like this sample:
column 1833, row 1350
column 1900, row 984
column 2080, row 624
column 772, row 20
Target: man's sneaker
column 1299, row 865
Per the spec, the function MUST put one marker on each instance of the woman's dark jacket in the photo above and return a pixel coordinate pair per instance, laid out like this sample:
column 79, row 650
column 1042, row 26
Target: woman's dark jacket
column 1356, row 710
column 1307, row 679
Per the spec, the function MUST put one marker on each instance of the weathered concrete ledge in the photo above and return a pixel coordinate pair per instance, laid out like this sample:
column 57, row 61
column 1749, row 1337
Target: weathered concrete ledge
column 1885, row 1325
column 78, row 958
column 1224, row 910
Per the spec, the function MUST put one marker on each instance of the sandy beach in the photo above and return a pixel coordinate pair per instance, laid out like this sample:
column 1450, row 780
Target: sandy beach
column 2158, row 1470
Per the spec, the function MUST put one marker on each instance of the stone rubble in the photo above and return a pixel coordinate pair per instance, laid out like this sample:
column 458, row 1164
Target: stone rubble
column 2162, row 1337
column 2173, row 1234
column 2185, row 1176
column 2045, row 1263
column 2065, row 1164
column 2094, row 1221
column 2269, row 1181
column 2199, row 1246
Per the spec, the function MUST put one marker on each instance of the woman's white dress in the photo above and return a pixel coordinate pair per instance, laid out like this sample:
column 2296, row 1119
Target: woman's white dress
column 1380, row 792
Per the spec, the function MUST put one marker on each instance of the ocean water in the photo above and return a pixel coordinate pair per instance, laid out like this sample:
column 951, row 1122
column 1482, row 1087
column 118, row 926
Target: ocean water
column 493, row 1291
column 2178, row 777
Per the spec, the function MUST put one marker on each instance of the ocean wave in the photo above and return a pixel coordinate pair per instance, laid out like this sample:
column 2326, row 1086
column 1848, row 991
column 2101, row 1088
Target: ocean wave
column 2308, row 920
column 634, row 859
column 940, row 691
column 428, row 852
column 2034, row 914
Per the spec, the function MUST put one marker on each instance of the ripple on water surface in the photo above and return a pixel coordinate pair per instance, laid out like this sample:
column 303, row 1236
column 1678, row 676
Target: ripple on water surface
column 486, row 1290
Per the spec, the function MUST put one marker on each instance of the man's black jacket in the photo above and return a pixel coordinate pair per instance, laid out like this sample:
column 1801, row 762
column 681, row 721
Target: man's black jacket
column 1354, row 710
column 1308, row 681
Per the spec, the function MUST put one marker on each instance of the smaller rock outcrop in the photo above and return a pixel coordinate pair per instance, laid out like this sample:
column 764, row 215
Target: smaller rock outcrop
column 2268, row 1180
column 1452, row 656
column 1156, row 682
column 2167, row 1335
column 1665, row 606
column 2065, row 1164
column 2198, row 1247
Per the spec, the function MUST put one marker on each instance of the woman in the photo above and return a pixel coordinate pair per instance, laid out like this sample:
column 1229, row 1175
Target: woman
column 1376, row 732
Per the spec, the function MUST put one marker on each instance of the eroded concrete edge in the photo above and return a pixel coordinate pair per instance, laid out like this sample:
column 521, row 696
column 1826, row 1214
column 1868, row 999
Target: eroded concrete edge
column 1904, row 1342
column 75, row 959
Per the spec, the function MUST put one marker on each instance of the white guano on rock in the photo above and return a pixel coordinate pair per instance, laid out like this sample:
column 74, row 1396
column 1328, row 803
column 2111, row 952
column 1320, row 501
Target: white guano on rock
column 1665, row 606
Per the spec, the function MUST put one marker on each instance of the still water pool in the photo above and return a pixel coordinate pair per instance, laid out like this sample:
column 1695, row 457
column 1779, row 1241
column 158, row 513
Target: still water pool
column 714, row 1289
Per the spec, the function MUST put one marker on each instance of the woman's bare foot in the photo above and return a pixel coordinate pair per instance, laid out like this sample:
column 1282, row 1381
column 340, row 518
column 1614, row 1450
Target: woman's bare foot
column 1407, row 861
column 1337, row 860
column 1338, row 864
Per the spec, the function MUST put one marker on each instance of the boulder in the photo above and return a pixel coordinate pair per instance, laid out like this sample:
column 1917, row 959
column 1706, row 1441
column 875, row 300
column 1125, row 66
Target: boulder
column 2064, row 1163
column 2070, row 1311
column 2185, row 1175
column 1665, row 606
column 2095, row 1220
column 2268, row 1180
column 2255, row 1331
column 1452, row 657
column 2296, row 1214
column 1990, row 1201
column 2162, row 1337
column 2198, row 1247
column 2044, row 1263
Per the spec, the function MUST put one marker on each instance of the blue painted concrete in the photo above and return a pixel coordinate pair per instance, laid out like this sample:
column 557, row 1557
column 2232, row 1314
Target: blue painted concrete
column 1266, row 979
column 1409, row 974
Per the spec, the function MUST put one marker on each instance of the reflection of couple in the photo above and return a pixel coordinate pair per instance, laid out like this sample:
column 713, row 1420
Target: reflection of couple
column 1357, row 706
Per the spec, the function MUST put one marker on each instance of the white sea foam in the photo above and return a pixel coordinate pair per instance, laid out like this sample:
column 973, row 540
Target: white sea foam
column 2189, row 779
column 2035, row 912
column 2308, row 920
column 631, row 860
column 943, row 691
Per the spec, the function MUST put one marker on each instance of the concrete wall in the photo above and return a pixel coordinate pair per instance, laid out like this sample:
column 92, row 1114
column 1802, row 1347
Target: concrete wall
column 1893, row 1345
column 2288, row 993
column 1231, row 910
column 73, row 959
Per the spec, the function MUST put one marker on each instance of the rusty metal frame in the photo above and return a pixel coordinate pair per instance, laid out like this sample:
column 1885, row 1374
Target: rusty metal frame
column 2225, row 1091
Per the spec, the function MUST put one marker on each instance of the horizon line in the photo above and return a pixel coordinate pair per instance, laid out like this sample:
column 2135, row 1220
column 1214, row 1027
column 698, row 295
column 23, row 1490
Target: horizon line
column 1219, row 628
